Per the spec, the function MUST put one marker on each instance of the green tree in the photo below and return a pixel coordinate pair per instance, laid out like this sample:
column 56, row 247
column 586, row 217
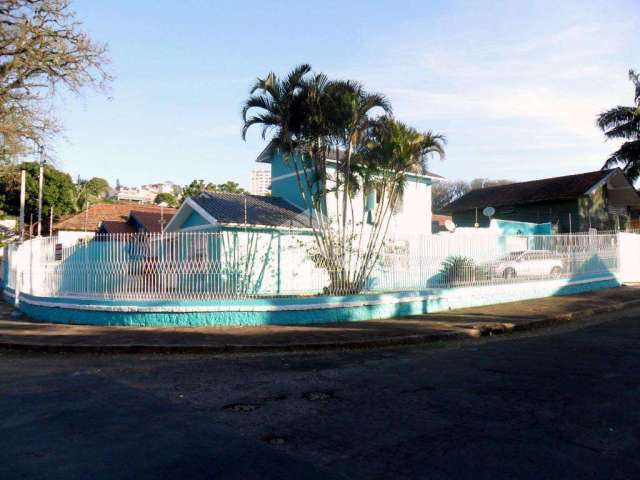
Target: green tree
column 91, row 191
column 229, row 187
column 167, row 198
column 42, row 48
column 196, row 187
column 58, row 191
column 311, row 120
column 623, row 122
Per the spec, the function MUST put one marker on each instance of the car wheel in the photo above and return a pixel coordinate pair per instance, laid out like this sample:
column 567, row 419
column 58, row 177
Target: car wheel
column 556, row 272
column 509, row 273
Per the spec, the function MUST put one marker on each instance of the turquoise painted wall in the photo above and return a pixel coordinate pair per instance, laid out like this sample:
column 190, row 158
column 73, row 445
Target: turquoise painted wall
column 512, row 227
column 329, row 309
column 287, row 187
column 193, row 220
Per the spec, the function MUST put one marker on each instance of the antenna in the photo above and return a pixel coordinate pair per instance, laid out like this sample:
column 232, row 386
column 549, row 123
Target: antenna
column 489, row 212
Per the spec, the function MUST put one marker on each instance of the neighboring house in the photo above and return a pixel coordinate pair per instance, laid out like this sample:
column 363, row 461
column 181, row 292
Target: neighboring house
column 412, row 215
column 89, row 221
column 260, row 182
column 139, row 222
column 215, row 211
column 603, row 200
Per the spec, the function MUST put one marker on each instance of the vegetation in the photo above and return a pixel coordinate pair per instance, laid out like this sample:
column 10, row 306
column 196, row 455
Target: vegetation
column 445, row 192
column 166, row 198
column 91, row 191
column 327, row 131
column 459, row 269
column 58, row 191
column 42, row 48
column 623, row 123
column 196, row 187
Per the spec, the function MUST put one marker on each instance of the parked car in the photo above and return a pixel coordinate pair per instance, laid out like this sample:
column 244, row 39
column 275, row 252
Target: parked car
column 529, row 263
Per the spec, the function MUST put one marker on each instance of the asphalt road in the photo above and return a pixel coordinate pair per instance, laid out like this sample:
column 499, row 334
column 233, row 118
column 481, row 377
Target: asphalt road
column 559, row 403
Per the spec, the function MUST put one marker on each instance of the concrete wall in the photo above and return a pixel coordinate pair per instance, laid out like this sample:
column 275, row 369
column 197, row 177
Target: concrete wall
column 292, row 311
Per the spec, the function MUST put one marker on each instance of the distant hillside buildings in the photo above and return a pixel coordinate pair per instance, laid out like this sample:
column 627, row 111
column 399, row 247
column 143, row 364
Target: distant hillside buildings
column 145, row 193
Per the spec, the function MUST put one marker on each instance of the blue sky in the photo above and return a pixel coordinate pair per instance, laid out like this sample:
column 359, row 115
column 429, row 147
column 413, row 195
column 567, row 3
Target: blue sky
column 514, row 85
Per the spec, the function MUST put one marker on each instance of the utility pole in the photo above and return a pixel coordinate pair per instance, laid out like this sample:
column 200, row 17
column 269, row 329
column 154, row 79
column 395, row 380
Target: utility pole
column 23, row 183
column 51, row 221
column 40, row 185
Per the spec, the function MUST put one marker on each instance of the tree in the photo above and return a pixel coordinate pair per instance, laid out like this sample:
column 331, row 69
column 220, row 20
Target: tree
column 478, row 183
column 445, row 192
column 166, row 198
column 310, row 117
column 58, row 191
column 623, row 122
column 42, row 47
column 229, row 187
column 196, row 187
column 91, row 191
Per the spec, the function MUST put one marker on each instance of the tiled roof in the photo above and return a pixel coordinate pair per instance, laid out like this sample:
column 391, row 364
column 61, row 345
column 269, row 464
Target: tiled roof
column 568, row 187
column 91, row 218
column 152, row 222
column 114, row 226
column 260, row 210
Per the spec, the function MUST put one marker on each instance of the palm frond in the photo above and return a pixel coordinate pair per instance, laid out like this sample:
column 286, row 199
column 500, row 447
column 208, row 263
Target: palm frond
column 615, row 117
column 635, row 78
column 628, row 158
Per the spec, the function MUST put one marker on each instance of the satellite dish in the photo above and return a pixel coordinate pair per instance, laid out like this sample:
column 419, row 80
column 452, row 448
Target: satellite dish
column 489, row 212
column 449, row 225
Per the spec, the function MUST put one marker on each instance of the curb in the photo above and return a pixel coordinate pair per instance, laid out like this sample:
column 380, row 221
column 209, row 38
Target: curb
column 406, row 340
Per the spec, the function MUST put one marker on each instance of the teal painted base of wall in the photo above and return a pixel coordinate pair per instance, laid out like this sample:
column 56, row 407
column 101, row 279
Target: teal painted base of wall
column 294, row 310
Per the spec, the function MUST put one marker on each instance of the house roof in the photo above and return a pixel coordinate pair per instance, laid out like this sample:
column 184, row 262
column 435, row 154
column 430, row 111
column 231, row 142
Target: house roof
column 568, row 187
column 260, row 210
column 152, row 222
column 91, row 218
column 266, row 155
column 115, row 226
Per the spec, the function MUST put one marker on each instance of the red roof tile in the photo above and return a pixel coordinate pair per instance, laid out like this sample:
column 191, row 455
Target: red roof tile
column 91, row 218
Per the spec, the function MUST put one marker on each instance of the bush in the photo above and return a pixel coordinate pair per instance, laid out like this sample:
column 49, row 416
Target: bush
column 458, row 269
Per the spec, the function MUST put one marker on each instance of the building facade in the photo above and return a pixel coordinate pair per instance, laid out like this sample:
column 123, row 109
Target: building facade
column 260, row 182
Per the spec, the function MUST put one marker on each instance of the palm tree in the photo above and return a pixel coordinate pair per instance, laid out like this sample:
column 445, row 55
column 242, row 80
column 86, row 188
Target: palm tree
column 623, row 122
column 389, row 151
column 308, row 116
column 277, row 103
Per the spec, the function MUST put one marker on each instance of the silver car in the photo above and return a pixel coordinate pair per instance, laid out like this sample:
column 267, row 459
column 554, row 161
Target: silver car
column 529, row 263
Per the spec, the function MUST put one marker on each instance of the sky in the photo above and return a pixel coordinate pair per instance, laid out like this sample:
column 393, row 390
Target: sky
column 514, row 85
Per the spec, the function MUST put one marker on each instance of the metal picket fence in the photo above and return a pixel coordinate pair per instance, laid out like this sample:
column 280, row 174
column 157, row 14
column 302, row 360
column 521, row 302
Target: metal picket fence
column 235, row 265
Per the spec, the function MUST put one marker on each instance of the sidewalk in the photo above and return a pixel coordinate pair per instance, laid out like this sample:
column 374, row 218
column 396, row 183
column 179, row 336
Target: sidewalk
column 454, row 325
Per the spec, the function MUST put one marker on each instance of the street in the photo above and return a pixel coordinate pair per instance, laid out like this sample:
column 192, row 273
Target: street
column 555, row 403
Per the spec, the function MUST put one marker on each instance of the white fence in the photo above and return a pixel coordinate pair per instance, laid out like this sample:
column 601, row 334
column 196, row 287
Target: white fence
column 231, row 265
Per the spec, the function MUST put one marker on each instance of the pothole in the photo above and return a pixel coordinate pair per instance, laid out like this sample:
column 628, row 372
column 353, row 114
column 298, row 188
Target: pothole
column 241, row 407
column 274, row 439
column 319, row 395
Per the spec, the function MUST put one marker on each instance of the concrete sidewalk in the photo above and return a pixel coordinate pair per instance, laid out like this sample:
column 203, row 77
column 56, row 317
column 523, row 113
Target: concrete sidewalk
column 454, row 325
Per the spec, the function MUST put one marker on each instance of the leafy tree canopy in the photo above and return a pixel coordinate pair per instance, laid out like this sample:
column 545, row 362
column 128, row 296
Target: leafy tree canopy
column 196, row 187
column 91, row 191
column 445, row 192
column 42, row 47
column 58, row 191
column 165, row 198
